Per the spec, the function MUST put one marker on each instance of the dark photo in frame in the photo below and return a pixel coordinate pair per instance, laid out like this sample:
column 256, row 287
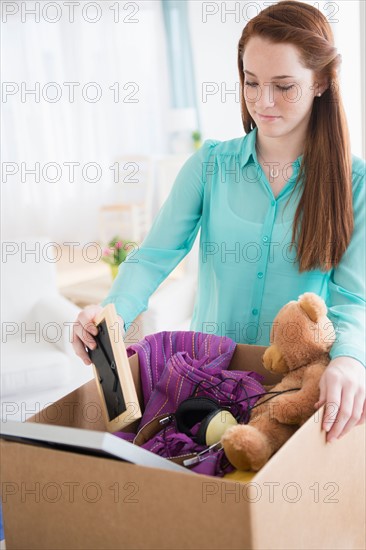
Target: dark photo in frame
column 119, row 400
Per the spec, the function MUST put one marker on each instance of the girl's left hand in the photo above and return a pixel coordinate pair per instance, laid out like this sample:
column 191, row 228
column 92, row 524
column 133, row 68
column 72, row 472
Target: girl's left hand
column 342, row 389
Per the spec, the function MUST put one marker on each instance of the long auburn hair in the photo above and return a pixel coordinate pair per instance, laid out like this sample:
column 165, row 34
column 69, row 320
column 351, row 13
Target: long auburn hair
column 323, row 222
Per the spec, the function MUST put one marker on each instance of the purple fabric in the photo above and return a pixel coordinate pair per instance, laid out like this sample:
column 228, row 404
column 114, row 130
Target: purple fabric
column 178, row 365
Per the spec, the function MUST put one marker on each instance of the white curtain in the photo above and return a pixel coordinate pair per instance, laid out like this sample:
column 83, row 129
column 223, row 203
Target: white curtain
column 124, row 50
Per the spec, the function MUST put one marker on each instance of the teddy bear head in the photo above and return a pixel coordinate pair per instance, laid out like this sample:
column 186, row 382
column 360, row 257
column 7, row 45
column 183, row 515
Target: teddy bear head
column 301, row 333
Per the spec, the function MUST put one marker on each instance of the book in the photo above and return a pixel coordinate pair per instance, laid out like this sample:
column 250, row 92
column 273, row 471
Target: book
column 85, row 441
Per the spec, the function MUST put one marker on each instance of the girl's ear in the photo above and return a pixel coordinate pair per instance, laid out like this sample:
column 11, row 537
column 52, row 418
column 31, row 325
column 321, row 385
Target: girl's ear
column 320, row 86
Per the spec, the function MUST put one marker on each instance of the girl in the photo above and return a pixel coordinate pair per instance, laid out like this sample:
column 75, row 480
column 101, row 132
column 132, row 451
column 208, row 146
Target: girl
column 281, row 210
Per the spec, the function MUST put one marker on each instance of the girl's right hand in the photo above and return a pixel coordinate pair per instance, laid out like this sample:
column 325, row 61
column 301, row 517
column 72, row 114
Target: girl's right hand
column 83, row 331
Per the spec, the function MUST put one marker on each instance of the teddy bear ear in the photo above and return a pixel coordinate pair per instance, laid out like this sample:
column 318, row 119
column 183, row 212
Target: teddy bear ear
column 313, row 305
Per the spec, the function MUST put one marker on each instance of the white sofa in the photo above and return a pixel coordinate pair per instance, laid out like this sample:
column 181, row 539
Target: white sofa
column 38, row 362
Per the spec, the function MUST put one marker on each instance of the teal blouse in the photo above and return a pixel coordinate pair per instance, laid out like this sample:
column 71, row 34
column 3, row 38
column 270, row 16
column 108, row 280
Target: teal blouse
column 246, row 269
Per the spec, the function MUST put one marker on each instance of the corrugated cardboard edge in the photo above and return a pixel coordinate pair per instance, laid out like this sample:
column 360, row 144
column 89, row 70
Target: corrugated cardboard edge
column 139, row 507
column 318, row 498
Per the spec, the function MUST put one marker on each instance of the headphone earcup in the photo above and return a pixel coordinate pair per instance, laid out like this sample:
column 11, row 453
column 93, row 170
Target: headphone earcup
column 214, row 420
column 201, row 434
column 214, row 426
column 193, row 410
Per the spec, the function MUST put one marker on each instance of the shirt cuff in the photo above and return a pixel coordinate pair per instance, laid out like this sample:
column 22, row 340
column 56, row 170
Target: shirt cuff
column 125, row 308
column 348, row 351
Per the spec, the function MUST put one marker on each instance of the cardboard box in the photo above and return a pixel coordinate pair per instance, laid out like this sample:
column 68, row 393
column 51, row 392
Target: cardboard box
column 310, row 495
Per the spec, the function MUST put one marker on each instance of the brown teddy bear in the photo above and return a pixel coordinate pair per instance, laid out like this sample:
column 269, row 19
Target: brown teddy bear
column 301, row 337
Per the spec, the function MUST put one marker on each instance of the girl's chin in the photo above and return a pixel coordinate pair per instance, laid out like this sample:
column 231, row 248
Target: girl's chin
column 272, row 131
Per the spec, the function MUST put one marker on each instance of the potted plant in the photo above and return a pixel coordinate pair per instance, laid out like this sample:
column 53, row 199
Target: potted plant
column 116, row 253
column 196, row 136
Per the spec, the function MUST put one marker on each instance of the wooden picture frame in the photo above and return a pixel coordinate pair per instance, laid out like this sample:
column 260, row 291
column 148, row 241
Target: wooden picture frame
column 118, row 398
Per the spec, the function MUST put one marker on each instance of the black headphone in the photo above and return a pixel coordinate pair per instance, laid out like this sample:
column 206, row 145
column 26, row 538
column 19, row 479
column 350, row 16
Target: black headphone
column 215, row 419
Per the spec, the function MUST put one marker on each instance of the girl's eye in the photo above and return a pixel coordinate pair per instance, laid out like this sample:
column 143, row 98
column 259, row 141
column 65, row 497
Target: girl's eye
column 252, row 84
column 285, row 87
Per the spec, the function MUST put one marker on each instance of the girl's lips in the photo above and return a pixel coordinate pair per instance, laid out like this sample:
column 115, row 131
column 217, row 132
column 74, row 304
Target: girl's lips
column 268, row 117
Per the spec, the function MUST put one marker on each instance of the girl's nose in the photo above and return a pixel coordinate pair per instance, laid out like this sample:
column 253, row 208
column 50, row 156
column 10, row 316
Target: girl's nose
column 265, row 97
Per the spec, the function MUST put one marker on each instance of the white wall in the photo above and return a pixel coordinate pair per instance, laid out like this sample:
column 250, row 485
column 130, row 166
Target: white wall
column 214, row 46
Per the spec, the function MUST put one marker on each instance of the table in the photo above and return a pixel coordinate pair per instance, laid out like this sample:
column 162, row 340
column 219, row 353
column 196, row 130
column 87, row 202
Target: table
column 93, row 291
column 89, row 291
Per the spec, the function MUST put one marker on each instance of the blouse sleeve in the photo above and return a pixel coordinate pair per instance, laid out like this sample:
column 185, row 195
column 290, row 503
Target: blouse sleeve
column 169, row 240
column 347, row 285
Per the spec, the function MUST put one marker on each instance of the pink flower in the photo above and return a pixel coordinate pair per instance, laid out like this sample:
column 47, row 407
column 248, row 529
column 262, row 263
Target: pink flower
column 107, row 252
column 119, row 244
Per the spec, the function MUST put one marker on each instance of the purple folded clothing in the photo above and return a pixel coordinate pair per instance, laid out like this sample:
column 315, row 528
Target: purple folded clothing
column 177, row 365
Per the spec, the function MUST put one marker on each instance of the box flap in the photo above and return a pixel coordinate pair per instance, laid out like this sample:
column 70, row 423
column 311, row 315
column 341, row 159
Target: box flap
column 314, row 490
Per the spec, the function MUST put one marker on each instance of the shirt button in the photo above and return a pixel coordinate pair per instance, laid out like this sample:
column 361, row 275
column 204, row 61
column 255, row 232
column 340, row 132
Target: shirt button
column 273, row 203
column 260, row 275
column 255, row 311
column 265, row 239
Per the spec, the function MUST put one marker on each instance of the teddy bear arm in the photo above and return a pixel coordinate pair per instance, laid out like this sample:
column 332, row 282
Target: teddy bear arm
column 296, row 408
column 286, row 408
column 311, row 390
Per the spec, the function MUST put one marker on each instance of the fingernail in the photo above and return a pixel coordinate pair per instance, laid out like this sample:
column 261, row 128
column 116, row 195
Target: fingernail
column 331, row 440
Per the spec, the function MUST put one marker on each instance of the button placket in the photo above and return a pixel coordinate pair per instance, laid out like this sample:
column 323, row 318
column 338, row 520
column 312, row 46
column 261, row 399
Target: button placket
column 263, row 264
